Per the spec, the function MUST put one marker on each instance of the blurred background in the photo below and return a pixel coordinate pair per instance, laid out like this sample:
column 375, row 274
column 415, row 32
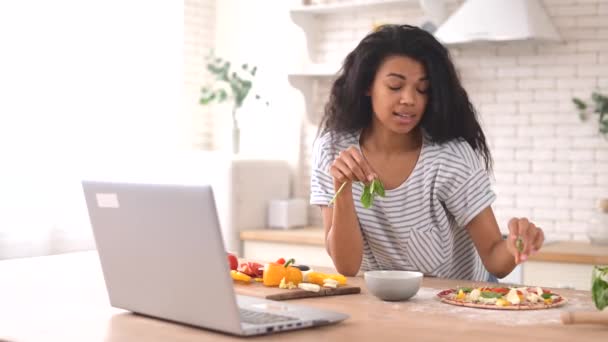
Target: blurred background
column 111, row 90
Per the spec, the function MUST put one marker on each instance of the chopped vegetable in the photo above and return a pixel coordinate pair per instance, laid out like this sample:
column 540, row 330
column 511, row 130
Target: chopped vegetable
column 488, row 294
column 502, row 302
column 273, row 273
column 233, row 262
column 281, row 261
column 236, row 275
column 318, row 278
column 293, row 275
column 519, row 244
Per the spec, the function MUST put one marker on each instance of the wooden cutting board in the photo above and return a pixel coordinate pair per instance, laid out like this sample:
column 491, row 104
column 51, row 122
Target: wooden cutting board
column 256, row 289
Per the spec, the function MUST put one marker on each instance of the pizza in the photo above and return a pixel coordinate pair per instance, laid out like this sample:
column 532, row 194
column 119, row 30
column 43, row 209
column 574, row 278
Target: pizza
column 503, row 298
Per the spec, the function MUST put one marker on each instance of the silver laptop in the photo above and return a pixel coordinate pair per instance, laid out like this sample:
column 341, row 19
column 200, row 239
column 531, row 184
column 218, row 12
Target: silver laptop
column 162, row 255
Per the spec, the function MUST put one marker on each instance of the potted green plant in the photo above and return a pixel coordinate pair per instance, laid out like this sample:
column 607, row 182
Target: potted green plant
column 228, row 84
column 598, row 232
column 600, row 107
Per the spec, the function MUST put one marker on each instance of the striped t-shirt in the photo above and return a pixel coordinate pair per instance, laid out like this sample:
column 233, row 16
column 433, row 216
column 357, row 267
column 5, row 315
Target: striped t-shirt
column 420, row 225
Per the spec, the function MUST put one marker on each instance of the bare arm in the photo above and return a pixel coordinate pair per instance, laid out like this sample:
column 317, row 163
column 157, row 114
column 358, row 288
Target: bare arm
column 343, row 239
column 501, row 256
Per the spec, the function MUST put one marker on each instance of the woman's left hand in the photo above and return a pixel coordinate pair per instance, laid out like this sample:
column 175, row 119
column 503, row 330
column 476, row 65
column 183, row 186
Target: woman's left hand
column 531, row 236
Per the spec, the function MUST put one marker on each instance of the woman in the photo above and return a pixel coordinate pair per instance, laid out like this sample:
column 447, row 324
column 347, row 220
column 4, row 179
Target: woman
column 398, row 113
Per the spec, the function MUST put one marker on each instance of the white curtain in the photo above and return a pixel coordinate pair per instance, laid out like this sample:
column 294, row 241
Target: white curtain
column 82, row 83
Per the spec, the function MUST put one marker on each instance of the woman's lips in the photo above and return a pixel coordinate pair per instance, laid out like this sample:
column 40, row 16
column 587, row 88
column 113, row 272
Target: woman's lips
column 404, row 119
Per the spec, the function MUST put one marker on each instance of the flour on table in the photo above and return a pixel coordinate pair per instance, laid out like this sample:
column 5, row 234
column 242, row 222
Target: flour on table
column 426, row 301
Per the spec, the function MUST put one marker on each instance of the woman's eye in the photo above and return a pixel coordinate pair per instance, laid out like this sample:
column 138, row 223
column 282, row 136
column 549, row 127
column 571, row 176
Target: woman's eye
column 394, row 87
column 422, row 91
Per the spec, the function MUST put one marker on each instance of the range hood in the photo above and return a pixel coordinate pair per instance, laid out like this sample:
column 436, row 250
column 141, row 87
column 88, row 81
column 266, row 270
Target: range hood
column 497, row 20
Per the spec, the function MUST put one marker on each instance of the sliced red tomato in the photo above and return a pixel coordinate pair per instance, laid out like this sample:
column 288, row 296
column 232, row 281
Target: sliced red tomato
column 500, row 290
column 281, row 261
column 233, row 261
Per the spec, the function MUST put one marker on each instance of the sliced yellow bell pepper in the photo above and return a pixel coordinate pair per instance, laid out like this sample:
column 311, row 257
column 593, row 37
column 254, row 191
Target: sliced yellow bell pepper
column 236, row 275
column 318, row 277
column 461, row 295
column 502, row 302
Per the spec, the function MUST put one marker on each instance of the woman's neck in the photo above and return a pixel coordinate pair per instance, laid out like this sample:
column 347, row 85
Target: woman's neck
column 379, row 140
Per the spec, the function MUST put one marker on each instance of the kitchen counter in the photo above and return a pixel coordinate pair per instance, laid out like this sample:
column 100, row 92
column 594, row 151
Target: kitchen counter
column 561, row 251
column 305, row 236
column 63, row 298
column 573, row 252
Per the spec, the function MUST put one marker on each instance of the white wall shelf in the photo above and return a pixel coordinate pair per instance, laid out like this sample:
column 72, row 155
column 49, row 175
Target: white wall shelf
column 306, row 76
column 343, row 7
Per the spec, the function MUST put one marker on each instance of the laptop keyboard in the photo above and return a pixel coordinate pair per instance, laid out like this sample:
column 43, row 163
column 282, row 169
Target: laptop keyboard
column 256, row 317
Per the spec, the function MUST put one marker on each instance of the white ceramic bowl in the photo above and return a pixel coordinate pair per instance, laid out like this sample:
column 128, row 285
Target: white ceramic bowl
column 393, row 285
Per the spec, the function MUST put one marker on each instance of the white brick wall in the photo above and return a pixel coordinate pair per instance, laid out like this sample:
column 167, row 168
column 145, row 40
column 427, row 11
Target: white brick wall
column 199, row 33
column 549, row 166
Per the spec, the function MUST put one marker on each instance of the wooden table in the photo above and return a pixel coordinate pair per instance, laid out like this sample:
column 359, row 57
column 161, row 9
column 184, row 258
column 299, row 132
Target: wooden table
column 63, row 298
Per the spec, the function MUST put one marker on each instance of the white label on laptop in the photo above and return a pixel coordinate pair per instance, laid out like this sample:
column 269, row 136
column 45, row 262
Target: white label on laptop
column 107, row 200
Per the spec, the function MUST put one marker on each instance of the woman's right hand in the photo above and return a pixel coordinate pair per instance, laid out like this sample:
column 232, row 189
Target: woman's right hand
column 351, row 166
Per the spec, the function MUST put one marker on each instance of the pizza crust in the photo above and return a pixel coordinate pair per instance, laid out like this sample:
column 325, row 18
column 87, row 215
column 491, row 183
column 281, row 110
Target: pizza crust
column 445, row 296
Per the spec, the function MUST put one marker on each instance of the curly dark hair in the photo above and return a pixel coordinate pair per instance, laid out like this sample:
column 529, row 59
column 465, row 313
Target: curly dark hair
column 448, row 115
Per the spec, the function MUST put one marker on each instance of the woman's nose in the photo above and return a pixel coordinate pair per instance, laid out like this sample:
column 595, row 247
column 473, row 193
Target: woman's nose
column 408, row 96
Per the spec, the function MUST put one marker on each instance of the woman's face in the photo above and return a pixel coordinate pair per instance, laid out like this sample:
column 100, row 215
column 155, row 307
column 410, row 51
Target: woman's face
column 399, row 93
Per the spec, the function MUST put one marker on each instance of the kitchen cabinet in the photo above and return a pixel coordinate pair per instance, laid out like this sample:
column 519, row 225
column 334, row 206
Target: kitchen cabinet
column 565, row 264
column 305, row 245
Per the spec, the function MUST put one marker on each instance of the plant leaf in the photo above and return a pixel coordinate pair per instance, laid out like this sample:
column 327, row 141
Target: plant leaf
column 380, row 188
column 222, row 95
column 366, row 197
column 599, row 288
column 207, row 99
column 579, row 103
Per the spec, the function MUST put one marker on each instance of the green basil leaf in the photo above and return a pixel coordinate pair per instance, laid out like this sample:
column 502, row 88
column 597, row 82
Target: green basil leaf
column 380, row 188
column 546, row 295
column 487, row 294
column 366, row 197
column 519, row 244
column 465, row 289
